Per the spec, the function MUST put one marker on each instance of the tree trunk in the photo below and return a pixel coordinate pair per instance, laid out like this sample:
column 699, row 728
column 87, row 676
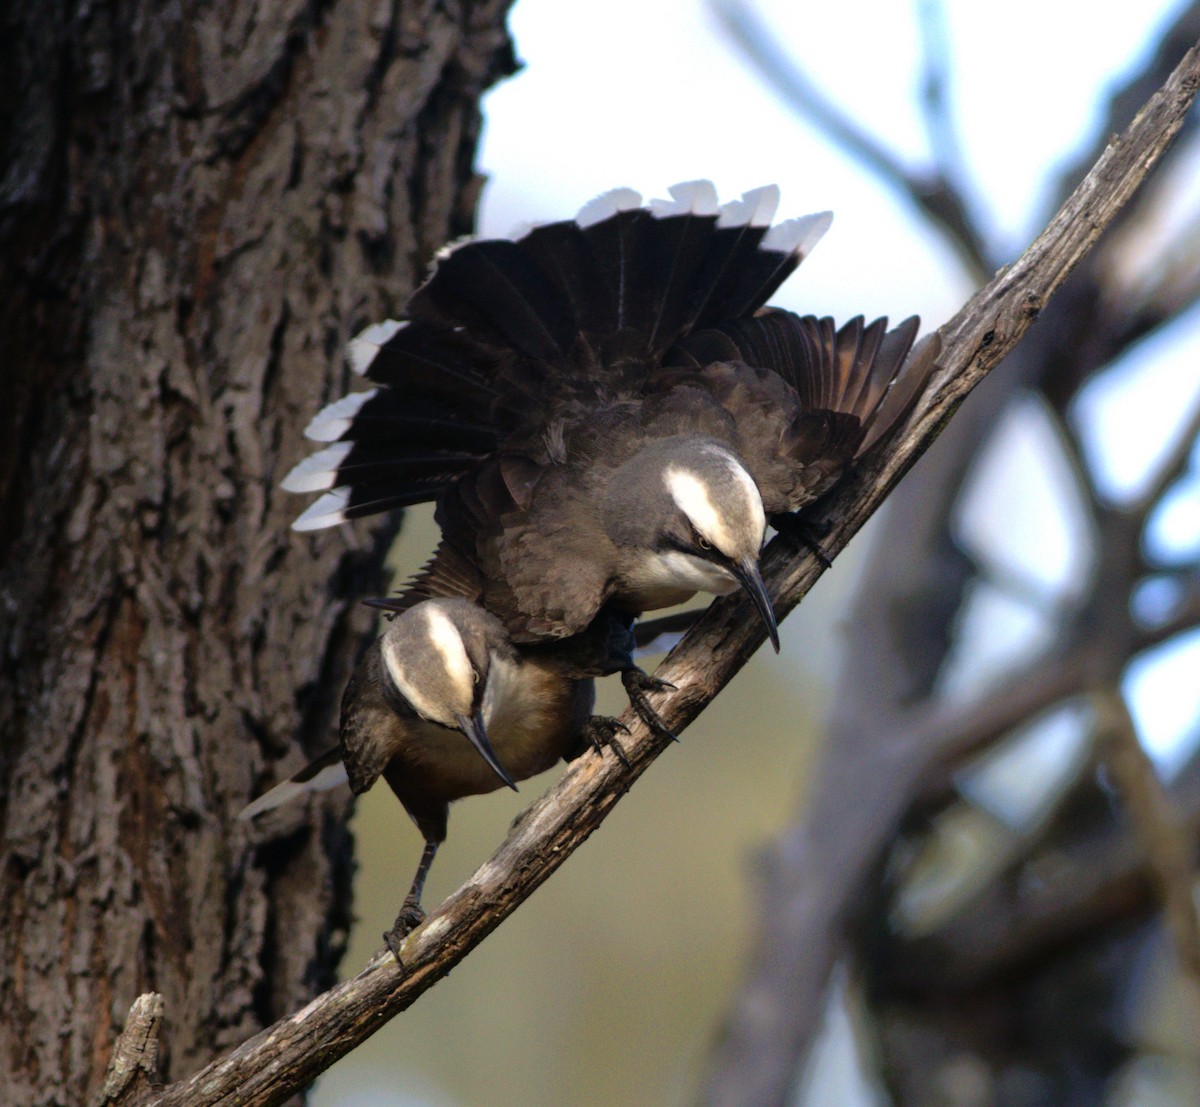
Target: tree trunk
column 198, row 206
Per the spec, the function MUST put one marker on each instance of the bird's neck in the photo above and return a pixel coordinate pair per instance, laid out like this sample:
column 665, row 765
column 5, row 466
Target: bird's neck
column 653, row 579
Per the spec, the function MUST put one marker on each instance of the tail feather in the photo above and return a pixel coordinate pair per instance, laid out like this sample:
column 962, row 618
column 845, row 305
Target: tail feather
column 494, row 290
column 360, row 464
column 384, row 413
column 563, row 252
column 505, row 332
column 326, row 772
column 759, row 263
column 357, row 501
column 384, row 451
column 426, row 365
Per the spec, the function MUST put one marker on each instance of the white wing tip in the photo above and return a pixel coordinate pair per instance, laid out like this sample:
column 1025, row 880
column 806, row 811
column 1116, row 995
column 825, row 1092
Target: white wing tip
column 756, row 208
column 365, row 345
column 455, row 244
column 797, row 236
column 328, row 511
column 687, row 198
column 333, row 420
column 608, row 204
column 318, row 472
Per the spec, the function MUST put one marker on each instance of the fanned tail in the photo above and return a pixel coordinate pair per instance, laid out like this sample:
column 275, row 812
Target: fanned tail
column 503, row 333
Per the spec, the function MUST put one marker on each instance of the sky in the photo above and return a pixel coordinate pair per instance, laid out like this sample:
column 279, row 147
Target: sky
column 649, row 93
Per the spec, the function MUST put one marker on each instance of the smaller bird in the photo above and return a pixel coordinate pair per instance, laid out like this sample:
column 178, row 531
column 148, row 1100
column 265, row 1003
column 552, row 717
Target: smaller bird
column 442, row 706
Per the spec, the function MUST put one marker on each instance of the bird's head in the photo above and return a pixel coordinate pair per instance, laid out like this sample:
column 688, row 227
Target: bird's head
column 441, row 656
column 692, row 515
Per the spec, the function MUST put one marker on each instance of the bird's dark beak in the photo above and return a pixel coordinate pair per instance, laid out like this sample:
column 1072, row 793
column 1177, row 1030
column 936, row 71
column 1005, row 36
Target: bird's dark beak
column 751, row 580
column 473, row 728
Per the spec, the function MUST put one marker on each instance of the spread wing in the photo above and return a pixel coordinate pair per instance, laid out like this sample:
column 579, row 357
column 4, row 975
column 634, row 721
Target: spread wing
column 806, row 398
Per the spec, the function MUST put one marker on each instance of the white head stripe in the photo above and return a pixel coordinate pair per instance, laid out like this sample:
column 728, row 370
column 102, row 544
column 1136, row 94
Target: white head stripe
column 448, row 646
column 691, row 497
column 750, row 490
column 690, row 494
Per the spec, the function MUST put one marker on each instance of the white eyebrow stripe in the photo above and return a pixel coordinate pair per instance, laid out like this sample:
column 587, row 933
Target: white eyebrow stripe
column 447, row 640
column 691, row 497
column 751, row 492
column 690, row 494
column 447, row 643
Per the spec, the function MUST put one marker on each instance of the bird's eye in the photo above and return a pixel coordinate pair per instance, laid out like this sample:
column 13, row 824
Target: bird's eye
column 703, row 543
column 474, row 674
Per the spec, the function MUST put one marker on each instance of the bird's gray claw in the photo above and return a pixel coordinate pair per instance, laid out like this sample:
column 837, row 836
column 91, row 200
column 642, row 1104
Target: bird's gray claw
column 411, row 916
column 394, row 939
column 637, row 685
column 601, row 731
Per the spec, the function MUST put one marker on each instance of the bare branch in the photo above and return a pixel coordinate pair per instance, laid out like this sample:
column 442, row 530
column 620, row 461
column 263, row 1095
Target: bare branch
column 1072, row 885
column 274, row 1064
column 931, row 192
column 1156, row 824
column 1126, row 99
column 868, row 783
column 1173, row 465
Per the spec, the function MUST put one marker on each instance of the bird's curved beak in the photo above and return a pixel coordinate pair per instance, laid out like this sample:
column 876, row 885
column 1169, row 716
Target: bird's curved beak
column 748, row 576
column 472, row 726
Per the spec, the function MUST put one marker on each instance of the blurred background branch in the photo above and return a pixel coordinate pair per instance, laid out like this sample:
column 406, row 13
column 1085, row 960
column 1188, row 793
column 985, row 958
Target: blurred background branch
column 934, row 189
column 952, row 843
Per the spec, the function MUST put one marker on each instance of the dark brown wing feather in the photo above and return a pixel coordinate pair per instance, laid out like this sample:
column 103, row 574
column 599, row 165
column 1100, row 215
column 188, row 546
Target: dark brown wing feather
column 807, row 397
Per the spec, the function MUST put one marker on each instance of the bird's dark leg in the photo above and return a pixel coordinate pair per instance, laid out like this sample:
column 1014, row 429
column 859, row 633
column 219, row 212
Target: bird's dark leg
column 637, row 685
column 411, row 914
column 806, row 534
column 601, row 731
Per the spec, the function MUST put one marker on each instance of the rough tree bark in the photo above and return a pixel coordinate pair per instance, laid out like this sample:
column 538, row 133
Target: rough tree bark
column 198, row 205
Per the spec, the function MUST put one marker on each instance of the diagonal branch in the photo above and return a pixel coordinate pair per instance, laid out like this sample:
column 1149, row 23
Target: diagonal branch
column 1135, row 89
column 285, row 1057
column 864, row 789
